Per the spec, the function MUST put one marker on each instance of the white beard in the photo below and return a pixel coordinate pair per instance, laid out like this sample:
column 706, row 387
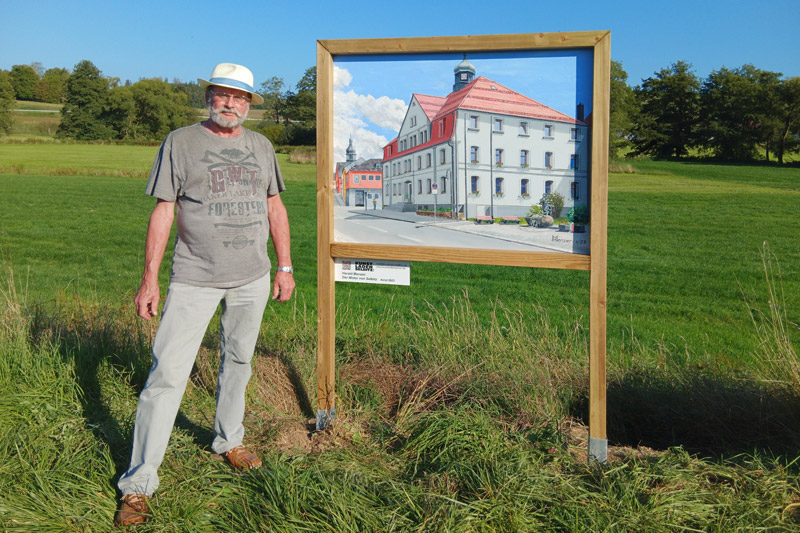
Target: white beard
column 217, row 118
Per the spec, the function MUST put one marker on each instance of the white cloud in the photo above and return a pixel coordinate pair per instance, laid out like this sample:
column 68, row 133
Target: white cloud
column 341, row 77
column 359, row 115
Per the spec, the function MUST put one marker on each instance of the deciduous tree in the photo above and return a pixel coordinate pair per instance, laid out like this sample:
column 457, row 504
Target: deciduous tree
column 668, row 114
column 622, row 110
column 272, row 91
column 52, row 86
column 6, row 102
column 24, row 79
column 84, row 105
column 302, row 104
column 159, row 109
column 739, row 110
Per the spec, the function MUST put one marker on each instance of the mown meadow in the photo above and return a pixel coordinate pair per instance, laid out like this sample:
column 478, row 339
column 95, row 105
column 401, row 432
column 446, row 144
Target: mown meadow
column 461, row 398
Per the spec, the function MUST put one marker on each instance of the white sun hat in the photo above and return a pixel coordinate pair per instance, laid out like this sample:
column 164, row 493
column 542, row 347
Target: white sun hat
column 234, row 77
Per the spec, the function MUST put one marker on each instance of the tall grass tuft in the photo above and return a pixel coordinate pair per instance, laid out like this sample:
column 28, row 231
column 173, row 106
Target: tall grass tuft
column 776, row 357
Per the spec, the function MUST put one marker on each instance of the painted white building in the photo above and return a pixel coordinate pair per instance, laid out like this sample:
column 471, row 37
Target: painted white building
column 485, row 150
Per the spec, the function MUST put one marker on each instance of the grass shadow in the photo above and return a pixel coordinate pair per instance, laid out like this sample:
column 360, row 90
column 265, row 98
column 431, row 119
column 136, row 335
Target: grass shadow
column 103, row 346
column 707, row 412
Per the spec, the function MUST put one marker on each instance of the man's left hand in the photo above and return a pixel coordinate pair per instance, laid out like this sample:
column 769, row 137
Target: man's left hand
column 283, row 286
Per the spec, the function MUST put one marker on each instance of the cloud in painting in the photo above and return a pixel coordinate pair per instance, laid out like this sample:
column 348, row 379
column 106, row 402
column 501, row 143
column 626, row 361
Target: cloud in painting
column 363, row 117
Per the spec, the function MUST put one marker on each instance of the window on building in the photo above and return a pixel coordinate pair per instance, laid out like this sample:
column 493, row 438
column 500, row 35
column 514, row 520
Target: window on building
column 428, row 184
column 356, row 178
column 548, row 130
column 473, row 154
column 419, row 162
column 428, row 160
column 523, row 186
column 573, row 162
column 498, row 186
column 473, row 122
column 523, row 128
column 548, row 159
column 413, row 121
column 523, row 158
column 443, row 154
column 419, row 186
column 498, row 124
column 441, row 127
column 473, row 182
column 444, row 185
column 573, row 134
column 548, row 187
column 574, row 191
column 498, row 156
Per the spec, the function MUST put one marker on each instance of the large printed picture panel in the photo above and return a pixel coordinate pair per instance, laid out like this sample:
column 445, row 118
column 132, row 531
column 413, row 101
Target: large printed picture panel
column 471, row 150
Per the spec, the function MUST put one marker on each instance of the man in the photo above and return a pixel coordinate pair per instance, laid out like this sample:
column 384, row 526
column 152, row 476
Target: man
column 222, row 185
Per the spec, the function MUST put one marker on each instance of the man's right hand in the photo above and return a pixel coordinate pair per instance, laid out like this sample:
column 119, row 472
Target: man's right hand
column 147, row 300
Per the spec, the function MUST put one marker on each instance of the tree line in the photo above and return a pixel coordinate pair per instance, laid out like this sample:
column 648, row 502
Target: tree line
column 733, row 114
column 96, row 107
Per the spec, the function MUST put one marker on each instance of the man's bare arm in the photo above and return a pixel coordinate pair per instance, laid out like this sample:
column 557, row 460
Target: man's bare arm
column 283, row 285
column 148, row 296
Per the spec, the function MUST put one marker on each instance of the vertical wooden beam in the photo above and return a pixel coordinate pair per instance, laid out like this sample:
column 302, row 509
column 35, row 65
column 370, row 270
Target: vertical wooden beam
column 326, row 333
column 598, row 441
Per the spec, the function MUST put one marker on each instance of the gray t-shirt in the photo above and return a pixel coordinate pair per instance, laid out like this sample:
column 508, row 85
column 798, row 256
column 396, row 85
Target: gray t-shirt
column 220, row 186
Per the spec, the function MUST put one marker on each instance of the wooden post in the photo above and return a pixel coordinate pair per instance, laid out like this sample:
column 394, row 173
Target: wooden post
column 598, row 441
column 596, row 262
column 326, row 293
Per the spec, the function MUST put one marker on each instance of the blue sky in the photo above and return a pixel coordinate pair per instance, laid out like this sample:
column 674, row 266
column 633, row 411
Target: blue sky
column 185, row 39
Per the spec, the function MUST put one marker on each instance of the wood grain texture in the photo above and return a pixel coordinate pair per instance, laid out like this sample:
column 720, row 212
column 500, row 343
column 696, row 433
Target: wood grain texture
column 466, row 43
column 596, row 262
column 599, row 241
column 461, row 255
column 326, row 333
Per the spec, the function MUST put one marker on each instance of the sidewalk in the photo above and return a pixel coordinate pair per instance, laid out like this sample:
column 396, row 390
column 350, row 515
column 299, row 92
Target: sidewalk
column 549, row 238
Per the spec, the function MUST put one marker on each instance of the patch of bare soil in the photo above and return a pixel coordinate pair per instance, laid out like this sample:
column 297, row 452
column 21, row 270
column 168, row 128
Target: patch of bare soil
column 280, row 417
column 576, row 436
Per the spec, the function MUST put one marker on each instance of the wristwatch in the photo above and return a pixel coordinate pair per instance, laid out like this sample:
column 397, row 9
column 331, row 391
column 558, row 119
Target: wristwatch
column 288, row 269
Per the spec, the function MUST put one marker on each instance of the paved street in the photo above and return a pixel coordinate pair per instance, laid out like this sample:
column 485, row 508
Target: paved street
column 392, row 227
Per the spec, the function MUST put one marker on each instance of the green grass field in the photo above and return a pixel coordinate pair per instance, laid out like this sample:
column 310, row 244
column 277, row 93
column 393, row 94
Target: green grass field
column 460, row 398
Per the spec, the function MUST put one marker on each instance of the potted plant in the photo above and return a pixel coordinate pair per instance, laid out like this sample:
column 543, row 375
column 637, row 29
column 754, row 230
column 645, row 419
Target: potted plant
column 578, row 216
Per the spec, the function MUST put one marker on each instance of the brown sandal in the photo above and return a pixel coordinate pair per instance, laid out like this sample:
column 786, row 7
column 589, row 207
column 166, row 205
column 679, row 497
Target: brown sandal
column 133, row 509
column 241, row 458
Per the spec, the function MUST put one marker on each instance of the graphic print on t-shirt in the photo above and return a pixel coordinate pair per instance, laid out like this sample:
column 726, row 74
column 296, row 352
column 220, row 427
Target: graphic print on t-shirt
column 236, row 200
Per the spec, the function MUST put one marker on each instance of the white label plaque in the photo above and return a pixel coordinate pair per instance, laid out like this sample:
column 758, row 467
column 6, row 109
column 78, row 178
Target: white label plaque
column 373, row 271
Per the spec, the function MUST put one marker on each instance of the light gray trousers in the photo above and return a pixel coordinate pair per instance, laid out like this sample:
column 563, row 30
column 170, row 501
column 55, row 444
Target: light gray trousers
column 187, row 311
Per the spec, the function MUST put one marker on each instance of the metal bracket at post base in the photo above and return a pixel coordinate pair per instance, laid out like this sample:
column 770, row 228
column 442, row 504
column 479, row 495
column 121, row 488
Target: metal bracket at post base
column 325, row 418
column 598, row 449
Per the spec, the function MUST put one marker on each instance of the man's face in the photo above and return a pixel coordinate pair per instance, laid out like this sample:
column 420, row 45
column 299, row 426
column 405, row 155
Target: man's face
column 228, row 107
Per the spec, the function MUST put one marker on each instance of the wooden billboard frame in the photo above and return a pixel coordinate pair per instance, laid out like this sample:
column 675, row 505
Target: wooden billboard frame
column 595, row 262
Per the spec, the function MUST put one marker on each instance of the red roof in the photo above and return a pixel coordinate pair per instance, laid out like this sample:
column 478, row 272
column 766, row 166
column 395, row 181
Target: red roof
column 483, row 94
column 430, row 104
